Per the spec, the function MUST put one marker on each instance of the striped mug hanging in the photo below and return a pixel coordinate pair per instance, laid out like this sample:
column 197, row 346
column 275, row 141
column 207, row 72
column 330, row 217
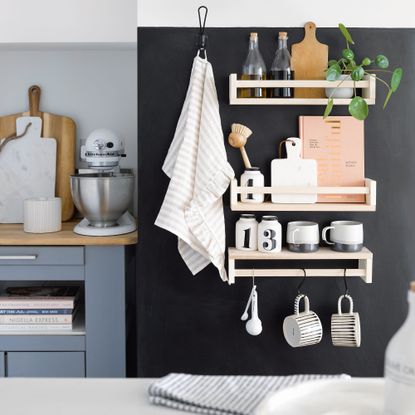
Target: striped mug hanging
column 302, row 328
column 345, row 327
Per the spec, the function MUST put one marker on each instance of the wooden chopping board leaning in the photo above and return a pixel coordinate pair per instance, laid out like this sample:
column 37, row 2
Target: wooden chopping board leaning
column 309, row 61
column 63, row 130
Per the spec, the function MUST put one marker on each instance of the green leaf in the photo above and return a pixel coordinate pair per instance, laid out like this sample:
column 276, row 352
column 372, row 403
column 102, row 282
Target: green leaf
column 351, row 65
column 358, row 108
column 329, row 107
column 345, row 33
column 382, row 61
column 388, row 97
column 333, row 72
column 348, row 54
column 366, row 61
column 396, row 79
column 358, row 73
column 331, row 62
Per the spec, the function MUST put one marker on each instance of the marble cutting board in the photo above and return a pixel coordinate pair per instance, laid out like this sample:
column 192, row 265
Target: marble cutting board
column 27, row 169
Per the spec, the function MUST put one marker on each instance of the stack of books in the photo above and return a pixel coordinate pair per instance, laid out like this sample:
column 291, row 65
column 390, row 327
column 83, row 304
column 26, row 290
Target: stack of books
column 38, row 308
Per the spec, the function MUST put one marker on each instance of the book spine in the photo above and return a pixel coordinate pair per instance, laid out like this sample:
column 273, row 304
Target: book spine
column 25, row 304
column 36, row 319
column 35, row 327
column 38, row 311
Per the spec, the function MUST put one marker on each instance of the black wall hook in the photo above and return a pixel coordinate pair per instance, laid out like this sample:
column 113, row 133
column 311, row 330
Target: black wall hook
column 202, row 38
column 302, row 282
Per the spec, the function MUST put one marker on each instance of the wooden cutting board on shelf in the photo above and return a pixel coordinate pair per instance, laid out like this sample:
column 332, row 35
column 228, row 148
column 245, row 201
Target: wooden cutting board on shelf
column 309, row 61
column 293, row 171
column 63, row 129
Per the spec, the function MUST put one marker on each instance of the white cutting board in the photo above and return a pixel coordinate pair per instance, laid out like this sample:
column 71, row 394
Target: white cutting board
column 293, row 171
column 27, row 169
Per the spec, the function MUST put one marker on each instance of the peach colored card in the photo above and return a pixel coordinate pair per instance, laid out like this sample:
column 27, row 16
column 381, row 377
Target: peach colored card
column 337, row 143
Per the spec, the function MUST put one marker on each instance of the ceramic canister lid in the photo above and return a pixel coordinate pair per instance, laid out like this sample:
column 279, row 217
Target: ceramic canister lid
column 248, row 216
column 270, row 217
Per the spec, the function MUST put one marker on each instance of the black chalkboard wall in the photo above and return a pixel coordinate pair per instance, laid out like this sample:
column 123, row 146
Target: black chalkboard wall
column 192, row 324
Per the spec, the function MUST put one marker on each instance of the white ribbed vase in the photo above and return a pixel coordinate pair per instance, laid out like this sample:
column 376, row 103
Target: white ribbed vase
column 42, row 215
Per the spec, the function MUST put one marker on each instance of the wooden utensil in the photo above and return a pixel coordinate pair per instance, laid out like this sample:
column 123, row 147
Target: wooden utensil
column 63, row 129
column 309, row 60
column 238, row 138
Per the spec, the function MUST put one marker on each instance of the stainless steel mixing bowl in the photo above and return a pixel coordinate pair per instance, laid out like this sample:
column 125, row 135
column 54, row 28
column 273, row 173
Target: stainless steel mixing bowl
column 102, row 198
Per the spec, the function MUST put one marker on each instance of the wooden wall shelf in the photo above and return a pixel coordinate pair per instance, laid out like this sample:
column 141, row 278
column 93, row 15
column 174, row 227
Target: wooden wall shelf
column 369, row 190
column 368, row 86
column 364, row 258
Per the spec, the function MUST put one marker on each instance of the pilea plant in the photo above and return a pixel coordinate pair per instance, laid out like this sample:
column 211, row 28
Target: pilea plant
column 348, row 66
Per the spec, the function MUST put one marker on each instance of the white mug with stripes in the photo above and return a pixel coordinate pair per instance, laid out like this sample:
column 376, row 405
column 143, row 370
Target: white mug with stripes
column 345, row 327
column 302, row 328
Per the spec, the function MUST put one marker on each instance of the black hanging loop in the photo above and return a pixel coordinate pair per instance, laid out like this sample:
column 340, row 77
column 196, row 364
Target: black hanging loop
column 346, row 287
column 202, row 38
column 302, row 282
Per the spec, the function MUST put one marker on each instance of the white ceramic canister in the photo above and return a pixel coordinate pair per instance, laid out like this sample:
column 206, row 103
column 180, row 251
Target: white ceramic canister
column 252, row 177
column 269, row 234
column 246, row 232
column 42, row 214
column 400, row 366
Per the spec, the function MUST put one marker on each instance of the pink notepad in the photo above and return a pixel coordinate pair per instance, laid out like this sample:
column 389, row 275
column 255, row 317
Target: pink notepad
column 337, row 143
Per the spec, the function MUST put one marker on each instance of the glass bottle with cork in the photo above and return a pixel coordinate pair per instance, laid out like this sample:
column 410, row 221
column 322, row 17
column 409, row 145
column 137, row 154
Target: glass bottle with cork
column 253, row 69
column 281, row 68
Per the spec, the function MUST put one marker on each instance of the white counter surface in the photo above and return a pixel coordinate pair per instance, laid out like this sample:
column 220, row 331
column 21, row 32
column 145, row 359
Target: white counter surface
column 78, row 397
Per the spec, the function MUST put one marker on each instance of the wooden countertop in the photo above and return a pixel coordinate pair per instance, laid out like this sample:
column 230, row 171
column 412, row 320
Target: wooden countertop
column 13, row 234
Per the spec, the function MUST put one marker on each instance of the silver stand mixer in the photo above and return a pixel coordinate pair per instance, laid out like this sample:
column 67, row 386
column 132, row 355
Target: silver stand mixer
column 103, row 192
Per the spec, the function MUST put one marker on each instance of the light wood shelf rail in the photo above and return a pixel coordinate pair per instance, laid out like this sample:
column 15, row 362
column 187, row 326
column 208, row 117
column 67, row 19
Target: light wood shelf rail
column 364, row 258
column 369, row 190
column 368, row 86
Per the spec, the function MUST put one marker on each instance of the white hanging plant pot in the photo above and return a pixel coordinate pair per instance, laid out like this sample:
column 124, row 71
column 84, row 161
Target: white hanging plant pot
column 340, row 92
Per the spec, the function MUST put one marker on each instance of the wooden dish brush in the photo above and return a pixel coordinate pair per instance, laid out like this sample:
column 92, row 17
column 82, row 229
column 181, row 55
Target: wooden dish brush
column 238, row 138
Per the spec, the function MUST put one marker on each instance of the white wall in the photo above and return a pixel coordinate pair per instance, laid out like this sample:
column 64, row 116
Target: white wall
column 278, row 13
column 94, row 85
column 68, row 21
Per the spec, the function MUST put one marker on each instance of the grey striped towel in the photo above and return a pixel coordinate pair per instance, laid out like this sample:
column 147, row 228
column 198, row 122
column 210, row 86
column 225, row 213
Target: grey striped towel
column 199, row 175
column 221, row 395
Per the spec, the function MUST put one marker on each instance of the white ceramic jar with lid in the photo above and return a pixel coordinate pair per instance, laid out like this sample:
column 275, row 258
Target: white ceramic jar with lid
column 246, row 231
column 252, row 177
column 269, row 234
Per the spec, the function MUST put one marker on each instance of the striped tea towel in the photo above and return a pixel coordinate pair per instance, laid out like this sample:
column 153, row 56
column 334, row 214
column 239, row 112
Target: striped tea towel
column 221, row 395
column 199, row 175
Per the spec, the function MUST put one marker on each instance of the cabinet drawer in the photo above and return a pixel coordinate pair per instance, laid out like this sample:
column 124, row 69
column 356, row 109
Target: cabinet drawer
column 41, row 255
column 46, row 364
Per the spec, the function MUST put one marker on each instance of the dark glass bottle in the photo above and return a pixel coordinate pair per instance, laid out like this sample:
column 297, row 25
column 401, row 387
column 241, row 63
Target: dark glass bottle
column 253, row 69
column 281, row 68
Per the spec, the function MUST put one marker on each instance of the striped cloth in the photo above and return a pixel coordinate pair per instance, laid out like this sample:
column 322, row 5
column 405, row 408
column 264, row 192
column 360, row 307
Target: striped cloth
column 199, row 174
column 221, row 395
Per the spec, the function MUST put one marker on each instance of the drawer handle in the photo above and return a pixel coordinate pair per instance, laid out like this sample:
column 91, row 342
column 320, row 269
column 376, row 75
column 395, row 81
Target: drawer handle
column 18, row 257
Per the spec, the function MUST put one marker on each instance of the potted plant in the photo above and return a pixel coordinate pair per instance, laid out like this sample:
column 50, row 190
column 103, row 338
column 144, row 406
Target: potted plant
column 346, row 68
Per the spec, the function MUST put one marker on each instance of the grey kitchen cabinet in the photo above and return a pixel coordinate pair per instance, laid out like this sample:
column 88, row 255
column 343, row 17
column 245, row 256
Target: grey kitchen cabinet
column 96, row 347
column 2, row 365
column 45, row 364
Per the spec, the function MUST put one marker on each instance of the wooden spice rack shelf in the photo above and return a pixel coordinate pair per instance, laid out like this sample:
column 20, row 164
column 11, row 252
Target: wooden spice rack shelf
column 364, row 258
column 369, row 190
column 368, row 86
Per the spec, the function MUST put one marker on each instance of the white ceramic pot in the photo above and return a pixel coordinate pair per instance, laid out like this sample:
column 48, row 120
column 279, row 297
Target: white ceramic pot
column 246, row 233
column 269, row 234
column 340, row 92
